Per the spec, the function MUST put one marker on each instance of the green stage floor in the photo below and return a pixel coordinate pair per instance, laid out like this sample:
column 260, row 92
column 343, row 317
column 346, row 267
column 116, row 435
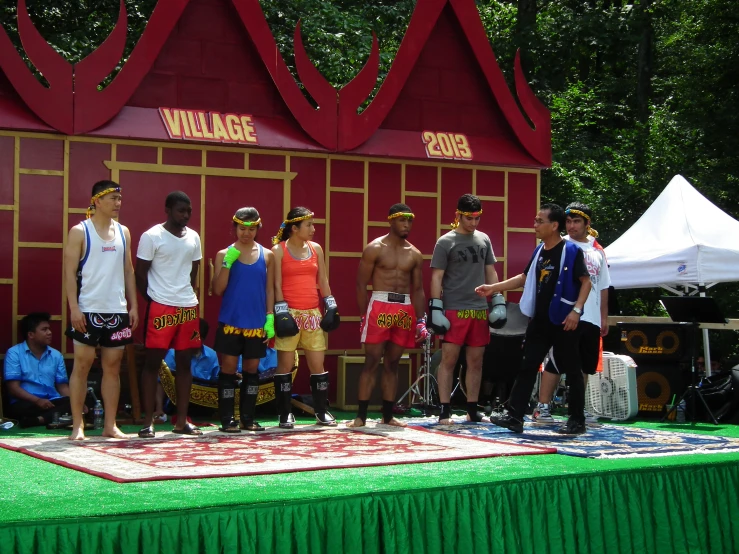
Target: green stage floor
column 673, row 504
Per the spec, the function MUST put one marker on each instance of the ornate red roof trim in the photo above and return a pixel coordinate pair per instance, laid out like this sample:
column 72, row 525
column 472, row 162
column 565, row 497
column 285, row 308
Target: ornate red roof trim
column 355, row 129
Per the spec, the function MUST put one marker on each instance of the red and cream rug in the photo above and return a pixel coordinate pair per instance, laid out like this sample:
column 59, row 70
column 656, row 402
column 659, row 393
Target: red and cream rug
column 216, row 454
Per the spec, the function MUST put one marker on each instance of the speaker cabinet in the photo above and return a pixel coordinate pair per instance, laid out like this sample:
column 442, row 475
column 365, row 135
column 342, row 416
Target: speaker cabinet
column 657, row 384
column 347, row 382
column 655, row 342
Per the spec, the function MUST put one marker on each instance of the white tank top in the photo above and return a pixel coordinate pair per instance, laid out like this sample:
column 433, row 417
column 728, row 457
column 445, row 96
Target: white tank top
column 101, row 283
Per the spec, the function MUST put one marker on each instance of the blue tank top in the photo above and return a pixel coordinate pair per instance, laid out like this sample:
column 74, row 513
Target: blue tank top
column 244, row 303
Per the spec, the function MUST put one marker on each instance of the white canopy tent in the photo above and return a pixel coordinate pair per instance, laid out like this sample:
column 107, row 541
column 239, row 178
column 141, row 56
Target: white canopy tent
column 682, row 243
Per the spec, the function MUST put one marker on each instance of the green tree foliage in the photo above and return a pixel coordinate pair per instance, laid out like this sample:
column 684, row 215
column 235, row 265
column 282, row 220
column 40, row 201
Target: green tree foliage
column 639, row 90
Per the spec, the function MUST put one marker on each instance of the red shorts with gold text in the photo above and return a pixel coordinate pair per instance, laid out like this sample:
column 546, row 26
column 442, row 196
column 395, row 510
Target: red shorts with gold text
column 467, row 327
column 390, row 317
column 172, row 327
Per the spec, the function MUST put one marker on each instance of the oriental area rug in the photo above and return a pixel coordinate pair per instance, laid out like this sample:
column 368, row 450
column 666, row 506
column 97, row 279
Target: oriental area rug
column 216, row 454
column 600, row 441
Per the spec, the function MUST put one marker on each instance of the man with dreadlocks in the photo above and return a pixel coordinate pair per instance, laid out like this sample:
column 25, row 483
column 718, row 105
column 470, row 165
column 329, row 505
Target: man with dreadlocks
column 299, row 267
column 245, row 277
column 463, row 260
column 594, row 319
column 99, row 279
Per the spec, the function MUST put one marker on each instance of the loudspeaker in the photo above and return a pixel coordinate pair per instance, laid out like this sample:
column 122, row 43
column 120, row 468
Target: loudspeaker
column 650, row 342
column 347, row 382
column 657, row 384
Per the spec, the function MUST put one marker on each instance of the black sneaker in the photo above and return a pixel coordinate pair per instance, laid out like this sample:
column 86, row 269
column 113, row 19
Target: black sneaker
column 507, row 421
column 572, row 427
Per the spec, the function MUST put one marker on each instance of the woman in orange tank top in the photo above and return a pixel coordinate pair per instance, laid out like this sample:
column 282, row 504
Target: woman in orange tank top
column 300, row 275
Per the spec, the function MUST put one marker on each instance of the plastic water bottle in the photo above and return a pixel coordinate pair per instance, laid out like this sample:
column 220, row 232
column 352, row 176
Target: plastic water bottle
column 680, row 417
column 97, row 413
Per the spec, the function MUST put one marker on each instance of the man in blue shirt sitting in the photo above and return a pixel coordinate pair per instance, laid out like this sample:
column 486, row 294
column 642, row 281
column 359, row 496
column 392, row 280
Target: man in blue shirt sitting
column 35, row 375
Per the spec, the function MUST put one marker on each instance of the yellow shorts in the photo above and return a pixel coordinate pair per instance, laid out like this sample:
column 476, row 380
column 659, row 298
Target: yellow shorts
column 311, row 337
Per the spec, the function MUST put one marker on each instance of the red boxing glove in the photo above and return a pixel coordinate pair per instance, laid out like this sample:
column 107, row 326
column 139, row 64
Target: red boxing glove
column 421, row 332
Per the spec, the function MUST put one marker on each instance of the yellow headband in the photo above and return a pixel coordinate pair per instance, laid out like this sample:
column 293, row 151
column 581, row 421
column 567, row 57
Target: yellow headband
column 401, row 214
column 257, row 223
column 276, row 239
column 455, row 223
column 100, row 195
column 592, row 232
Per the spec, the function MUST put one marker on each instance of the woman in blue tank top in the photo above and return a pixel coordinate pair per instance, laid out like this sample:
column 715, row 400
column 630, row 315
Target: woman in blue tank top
column 244, row 276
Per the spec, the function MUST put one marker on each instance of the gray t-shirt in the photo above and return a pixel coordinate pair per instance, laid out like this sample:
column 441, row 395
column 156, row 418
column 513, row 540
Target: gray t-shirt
column 463, row 259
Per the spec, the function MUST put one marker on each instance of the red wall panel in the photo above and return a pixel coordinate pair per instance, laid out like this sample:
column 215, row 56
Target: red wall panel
column 522, row 201
column 308, row 188
column 179, row 156
column 520, row 248
column 420, row 178
column 7, row 157
column 139, row 154
column 454, row 183
column 424, row 232
column 490, row 183
column 266, row 162
column 39, row 280
column 491, row 222
column 347, row 173
column 42, row 154
column 383, row 189
column 86, row 168
column 41, row 200
column 6, row 319
column 342, row 278
column 346, row 222
column 230, row 160
column 6, row 245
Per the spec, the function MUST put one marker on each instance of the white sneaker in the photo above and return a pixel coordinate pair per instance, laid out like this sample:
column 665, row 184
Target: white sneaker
column 590, row 418
column 543, row 414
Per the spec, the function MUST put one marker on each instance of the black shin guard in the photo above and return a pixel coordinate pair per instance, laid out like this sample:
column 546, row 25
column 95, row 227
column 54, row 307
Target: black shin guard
column 248, row 400
column 319, row 388
column 226, row 394
column 387, row 410
column 362, row 412
column 283, row 398
column 473, row 413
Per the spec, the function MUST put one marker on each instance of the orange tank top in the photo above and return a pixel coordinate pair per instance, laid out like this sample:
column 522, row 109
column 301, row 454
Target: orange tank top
column 299, row 279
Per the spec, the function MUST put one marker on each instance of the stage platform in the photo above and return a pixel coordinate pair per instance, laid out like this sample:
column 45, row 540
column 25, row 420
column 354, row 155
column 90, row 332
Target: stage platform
column 548, row 503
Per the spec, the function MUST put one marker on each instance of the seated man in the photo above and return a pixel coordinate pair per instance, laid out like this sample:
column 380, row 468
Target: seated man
column 35, row 375
column 204, row 367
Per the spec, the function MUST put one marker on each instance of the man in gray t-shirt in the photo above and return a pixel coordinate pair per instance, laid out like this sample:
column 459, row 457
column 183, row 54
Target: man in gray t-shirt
column 463, row 260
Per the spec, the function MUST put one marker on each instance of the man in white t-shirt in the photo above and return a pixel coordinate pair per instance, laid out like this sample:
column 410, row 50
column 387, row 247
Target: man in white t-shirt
column 594, row 320
column 167, row 266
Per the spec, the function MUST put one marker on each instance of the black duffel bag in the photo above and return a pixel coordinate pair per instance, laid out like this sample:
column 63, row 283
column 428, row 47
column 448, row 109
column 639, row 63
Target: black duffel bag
column 721, row 393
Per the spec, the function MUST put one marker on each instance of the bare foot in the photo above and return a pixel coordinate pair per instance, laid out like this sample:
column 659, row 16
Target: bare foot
column 447, row 421
column 395, row 423
column 356, row 423
column 115, row 433
column 78, row 434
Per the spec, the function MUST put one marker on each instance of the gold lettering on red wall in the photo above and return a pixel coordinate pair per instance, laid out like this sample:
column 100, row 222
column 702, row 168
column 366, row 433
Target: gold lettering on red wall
column 209, row 126
column 448, row 146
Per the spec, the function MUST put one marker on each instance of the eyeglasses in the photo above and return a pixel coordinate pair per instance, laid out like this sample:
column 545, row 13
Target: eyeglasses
column 539, row 221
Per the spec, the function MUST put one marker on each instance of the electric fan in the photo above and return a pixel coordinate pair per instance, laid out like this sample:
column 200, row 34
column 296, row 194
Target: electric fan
column 612, row 393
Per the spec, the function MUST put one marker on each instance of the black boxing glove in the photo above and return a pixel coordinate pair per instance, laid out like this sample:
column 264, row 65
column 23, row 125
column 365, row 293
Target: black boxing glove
column 285, row 325
column 331, row 319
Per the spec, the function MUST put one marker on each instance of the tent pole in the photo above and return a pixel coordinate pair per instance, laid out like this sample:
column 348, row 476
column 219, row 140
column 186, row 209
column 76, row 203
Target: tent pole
column 706, row 342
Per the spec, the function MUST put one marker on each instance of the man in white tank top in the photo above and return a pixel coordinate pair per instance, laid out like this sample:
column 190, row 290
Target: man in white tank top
column 167, row 263
column 99, row 279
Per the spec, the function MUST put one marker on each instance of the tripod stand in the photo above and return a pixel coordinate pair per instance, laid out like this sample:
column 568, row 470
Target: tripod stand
column 693, row 310
column 429, row 382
